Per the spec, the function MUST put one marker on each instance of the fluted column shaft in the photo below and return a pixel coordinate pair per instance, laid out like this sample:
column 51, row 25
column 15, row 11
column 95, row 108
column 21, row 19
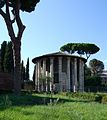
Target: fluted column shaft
column 81, row 76
column 75, row 76
column 51, row 73
column 44, row 72
column 68, row 74
column 60, row 74
column 38, row 75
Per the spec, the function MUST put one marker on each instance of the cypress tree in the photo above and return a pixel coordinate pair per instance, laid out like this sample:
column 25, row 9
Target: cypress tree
column 27, row 70
column 8, row 59
column 3, row 51
column 0, row 60
column 34, row 76
column 22, row 74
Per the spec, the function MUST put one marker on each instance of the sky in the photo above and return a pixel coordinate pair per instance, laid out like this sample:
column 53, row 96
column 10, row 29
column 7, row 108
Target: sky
column 58, row 22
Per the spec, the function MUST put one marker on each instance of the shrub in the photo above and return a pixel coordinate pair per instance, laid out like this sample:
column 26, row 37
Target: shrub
column 104, row 99
column 5, row 102
column 98, row 98
column 86, row 96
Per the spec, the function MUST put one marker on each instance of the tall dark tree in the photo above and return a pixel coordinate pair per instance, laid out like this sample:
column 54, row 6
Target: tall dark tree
column 34, row 76
column 22, row 74
column 13, row 8
column 80, row 48
column 0, row 60
column 87, row 71
column 8, row 59
column 27, row 70
column 96, row 66
column 3, row 51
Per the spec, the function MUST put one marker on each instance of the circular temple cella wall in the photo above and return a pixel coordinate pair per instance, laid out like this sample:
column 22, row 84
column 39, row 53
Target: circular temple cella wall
column 59, row 72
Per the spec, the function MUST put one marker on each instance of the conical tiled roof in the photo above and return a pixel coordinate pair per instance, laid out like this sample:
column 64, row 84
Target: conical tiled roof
column 62, row 54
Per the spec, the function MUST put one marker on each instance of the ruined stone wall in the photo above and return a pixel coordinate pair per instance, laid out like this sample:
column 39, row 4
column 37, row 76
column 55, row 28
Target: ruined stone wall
column 6, row 82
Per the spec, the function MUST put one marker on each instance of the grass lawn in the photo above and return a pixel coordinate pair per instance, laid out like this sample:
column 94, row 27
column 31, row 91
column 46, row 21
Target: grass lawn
column 34, row 107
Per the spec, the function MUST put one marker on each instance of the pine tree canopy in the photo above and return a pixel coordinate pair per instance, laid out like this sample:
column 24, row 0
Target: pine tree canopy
column 80, row 48
column 25, row 5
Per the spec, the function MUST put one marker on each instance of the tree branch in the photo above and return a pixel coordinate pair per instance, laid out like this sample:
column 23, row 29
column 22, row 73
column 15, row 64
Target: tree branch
column 20, row 25
column 8, row 24
column 13, row 12
column 7, row 8
column 2, row 13
column 88, row 55
column 10, row 28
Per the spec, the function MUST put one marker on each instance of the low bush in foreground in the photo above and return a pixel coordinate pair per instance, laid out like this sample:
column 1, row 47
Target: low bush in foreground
column 86, row 96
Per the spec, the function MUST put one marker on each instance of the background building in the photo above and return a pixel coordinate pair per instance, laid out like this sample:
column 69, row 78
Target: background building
column 103, row 76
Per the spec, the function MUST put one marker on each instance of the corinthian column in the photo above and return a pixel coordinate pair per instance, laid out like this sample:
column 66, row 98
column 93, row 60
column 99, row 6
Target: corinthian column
column 74, row 75
column 51, row 73
column 38, row 75
column 81, row 75
column 44, row 71
column 60, row 73
column 68, row 74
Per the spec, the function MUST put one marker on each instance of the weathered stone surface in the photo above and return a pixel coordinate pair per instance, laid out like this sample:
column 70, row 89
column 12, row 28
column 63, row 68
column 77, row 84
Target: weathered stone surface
column 6, row 82
column 65, row 71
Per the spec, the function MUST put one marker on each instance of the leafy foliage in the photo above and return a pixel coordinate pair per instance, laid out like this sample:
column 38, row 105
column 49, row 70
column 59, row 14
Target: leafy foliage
column 3, row 51
column 27, row 70
column 92, row 81
column 96, row 66
column 87, row 71
column 104, row 99
column 34, row 76
column 26, row 5
column 8, row 58
column 80, row 48
column 6, row 63
column 2, row 3
column 22, row 74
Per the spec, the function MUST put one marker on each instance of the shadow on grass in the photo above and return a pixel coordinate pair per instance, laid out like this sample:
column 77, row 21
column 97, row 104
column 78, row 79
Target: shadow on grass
column 9, row 100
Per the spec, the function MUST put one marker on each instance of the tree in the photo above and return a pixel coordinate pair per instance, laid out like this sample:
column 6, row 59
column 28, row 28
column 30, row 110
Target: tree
column 0, row 60
column 27, row 71
column 8, row 59
column 34, row 76
column 96, row 66
column 9, row 8
column 92, row 81
column 87, row 71
column 22, row 74
column 3, row 51
column 80, row 48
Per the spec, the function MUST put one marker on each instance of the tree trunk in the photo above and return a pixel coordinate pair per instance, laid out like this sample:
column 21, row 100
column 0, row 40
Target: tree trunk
column 15, row 38
column 17, row 72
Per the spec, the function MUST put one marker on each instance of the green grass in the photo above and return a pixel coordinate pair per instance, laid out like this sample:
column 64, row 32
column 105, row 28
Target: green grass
column 36, row 107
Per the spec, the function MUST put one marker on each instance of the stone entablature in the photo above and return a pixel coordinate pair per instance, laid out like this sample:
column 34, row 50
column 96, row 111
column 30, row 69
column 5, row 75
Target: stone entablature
column 60, row 72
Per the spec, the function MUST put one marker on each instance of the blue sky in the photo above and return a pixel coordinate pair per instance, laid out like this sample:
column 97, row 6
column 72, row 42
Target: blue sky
column 57, row 22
